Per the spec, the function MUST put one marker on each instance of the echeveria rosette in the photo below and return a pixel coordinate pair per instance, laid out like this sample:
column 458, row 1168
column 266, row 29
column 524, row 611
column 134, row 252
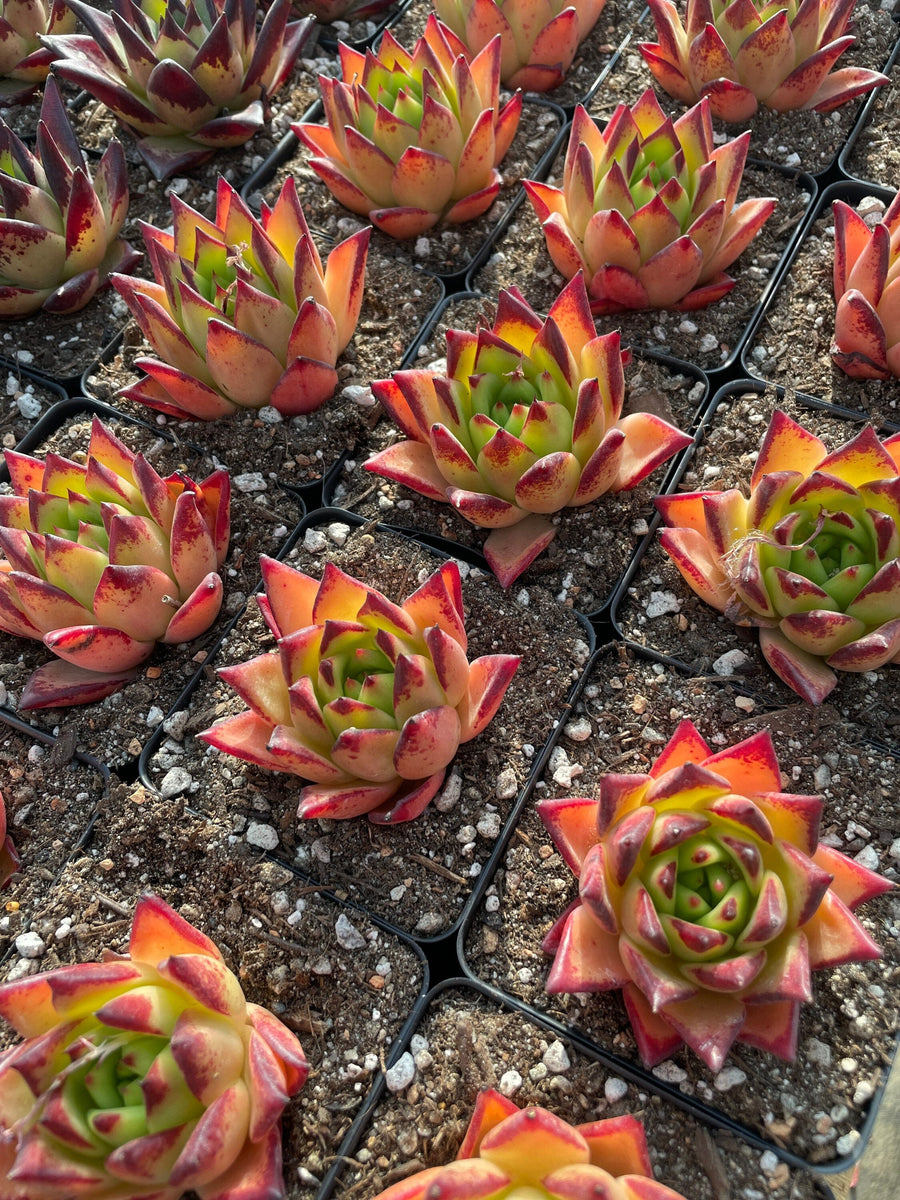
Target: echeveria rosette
column 648, row 208
column 9, row 857
column 532, row 1154
column 103, row 560
column 414, row 138
column 744, row 54
column 538, row 38
column 866, row 341
column 187, row 77
column 367, row 699
column 24, row 62
column 59, row 227
column 144, row 1076
column 241, row 312
column 812, row 557
column 706, row 896
column 527, row 421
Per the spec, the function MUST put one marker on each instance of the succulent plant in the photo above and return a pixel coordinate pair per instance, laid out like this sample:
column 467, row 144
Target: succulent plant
column 187, row 77
column 147, row 1074
column 744, row 53
column 103, row 560
column 9, row 858
column 705, row 894
column 366, row 699
column 527, row 422
column 538, row 38
column 866, row 289
column 812, row 558
column 533, row 1154
column 648, row 208
column 24, row 62
column 59, row 229
column 241, row 313
column 413, row 139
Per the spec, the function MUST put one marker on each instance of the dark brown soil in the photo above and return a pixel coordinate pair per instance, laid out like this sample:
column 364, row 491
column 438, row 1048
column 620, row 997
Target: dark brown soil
column 466, row 1042
column 417, row 875
column 594, row 543
column 628, row 710
column 115, row 729
column 875, row 156
column 792, row 344
column 50, row 797
column 345, row 996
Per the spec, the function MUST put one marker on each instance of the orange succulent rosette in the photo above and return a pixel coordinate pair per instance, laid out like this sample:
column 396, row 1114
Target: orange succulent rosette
column 706, row 896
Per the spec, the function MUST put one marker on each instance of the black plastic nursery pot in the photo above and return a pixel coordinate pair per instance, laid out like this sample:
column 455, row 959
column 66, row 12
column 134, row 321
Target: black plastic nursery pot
column 53, row 347
column 468, row 1038
column 655, row 610
column 863, row 155
column 416, row 875
column 594, row 542
column 343, row 982
column 52, row 795
column 791, row 339
column 817, row 1110
column 262, row 518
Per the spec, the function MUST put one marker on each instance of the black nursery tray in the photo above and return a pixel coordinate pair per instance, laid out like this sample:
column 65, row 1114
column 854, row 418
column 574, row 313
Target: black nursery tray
column 416, row 875
column 342, row 981
column 817, row 1111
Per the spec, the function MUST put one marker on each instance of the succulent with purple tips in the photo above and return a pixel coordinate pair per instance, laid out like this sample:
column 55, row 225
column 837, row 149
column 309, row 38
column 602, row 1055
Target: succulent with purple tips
column 745, row 53
column 367, row 699
column 528, row 421
column 866, row 342
column 241, row 313
column 104, row 560
column 9, row 858
column 187, row 77
column 512, row 1153
column 59, row 228
column 538, row 38
column 24, row 62
column 413, row 138
column 648, row 208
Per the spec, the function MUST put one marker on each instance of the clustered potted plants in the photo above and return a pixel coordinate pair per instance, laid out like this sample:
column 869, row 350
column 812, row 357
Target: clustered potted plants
column 414, row 590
